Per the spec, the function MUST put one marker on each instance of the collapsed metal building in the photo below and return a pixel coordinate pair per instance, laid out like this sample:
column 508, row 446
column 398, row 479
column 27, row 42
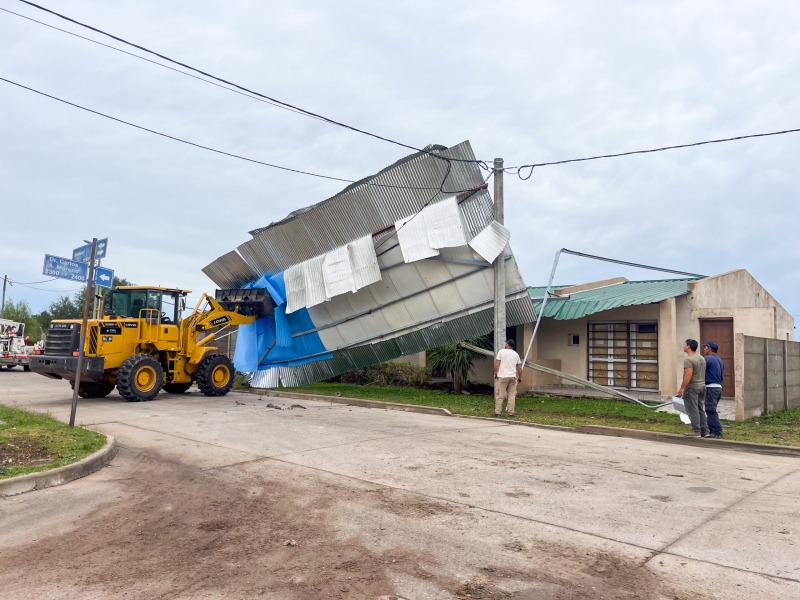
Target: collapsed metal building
column 395, row 264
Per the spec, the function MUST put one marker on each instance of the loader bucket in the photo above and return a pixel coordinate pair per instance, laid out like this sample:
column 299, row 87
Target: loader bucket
column 251, row 302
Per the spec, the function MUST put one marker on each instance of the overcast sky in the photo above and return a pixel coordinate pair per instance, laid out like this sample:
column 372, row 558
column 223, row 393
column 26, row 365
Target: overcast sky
column 530, row 82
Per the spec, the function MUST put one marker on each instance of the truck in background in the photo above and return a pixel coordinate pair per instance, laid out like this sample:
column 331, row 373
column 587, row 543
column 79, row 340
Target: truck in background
column 13, row 345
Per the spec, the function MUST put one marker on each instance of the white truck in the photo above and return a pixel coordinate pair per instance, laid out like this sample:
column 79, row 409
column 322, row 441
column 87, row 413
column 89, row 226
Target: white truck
column 13, row 344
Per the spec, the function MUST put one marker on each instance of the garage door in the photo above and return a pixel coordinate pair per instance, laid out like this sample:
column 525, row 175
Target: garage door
column 624, row 355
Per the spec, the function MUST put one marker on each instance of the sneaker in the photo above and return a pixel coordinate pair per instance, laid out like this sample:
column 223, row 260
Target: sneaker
column 511, row 415
column 716, row 436
column 705, row 435
column 692, row 434
column 497, row 414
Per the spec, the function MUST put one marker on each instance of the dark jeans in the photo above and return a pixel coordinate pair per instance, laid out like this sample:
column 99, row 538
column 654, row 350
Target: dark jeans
column 713, row 394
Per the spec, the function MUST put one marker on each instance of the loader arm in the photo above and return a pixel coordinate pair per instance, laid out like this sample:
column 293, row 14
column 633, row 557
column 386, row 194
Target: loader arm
column 230, row 308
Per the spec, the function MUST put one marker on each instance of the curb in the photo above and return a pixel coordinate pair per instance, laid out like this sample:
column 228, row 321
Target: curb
column 61, row 475
column 638, row 434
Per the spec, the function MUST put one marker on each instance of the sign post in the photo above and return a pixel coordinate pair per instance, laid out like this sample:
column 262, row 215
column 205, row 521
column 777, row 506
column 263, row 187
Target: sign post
column 86, row 303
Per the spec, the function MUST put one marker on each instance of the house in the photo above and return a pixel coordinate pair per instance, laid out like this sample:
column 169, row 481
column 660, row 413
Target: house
column 629, row 334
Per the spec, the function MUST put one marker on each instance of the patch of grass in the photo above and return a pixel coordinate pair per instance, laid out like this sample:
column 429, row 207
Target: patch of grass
column 782, row 428
column 32, row 442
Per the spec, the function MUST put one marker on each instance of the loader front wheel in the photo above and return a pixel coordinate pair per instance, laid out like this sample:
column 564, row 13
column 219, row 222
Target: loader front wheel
column 90, row 389
column 215, row 375
column 139, row 378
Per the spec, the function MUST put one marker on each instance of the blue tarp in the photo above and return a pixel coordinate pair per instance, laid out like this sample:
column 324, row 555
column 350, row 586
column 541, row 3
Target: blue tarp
column 273, row 335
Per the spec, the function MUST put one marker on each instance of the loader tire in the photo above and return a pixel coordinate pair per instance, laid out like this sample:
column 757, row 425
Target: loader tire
column 90, row 389
column 140, row 378
column 176, row 388
column 215, row 375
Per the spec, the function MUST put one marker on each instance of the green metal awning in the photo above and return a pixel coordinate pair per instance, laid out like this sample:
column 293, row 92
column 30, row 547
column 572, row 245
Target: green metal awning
column 589, row 302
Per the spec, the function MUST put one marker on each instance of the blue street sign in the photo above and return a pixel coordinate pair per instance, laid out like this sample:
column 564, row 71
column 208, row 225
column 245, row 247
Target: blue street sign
column 84, row 253
column 103, row 277
column 64, row 268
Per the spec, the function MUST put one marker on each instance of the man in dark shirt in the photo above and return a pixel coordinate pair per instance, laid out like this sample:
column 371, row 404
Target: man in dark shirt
column 714, row 370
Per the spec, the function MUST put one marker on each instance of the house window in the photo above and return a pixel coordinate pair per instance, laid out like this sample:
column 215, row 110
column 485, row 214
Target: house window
column 573, row 339
column 624, row 355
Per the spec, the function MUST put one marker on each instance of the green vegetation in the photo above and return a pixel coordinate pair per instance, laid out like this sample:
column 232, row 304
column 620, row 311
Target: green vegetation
column 457, row 361
column 32, row 442
column 782, row 428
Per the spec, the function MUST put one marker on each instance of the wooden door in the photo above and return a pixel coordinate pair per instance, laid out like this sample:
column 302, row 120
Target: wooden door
column 721, row 332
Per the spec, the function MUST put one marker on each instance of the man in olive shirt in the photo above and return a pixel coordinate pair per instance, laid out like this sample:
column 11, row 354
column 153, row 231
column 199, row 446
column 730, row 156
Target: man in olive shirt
column 693, row 389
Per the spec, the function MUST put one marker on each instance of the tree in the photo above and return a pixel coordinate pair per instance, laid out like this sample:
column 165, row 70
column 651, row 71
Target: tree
column 457, row 361
column 21, row 313
column 66, row 308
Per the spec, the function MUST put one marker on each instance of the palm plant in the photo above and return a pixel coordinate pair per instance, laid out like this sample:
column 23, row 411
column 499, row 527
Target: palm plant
column 457, row 361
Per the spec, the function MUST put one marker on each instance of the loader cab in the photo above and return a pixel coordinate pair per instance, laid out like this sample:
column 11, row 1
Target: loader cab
column 129, row 302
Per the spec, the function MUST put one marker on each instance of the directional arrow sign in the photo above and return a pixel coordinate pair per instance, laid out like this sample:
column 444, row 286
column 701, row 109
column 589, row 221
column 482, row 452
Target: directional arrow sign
column 103, row 277
column 84, row 253
column 64, row 268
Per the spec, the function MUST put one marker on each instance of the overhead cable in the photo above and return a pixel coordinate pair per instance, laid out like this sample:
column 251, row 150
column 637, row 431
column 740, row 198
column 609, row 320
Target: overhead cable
column 303, row 111
column 154, row 62
column 238, row 156
column 520, row 169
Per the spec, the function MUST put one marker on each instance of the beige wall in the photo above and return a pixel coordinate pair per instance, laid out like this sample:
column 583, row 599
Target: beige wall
column 738, row 295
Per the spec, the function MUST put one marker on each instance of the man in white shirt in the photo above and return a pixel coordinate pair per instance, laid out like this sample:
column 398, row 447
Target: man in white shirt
column 507, row 372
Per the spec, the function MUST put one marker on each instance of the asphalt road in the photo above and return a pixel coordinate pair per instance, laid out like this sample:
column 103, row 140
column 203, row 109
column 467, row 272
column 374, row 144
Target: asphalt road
column 234, row 498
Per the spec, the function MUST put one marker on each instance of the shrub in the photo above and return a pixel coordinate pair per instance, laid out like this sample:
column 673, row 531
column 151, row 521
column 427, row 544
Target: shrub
column 390, row 373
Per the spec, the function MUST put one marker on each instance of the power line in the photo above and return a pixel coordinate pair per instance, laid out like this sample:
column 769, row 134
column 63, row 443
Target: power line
column 303, row 111
column 519, row 170
column 31, row 282
column 238, row 156
column 110, row 47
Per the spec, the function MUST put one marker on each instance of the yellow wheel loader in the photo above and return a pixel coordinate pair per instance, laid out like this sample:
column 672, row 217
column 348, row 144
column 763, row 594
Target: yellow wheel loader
column 142, row 344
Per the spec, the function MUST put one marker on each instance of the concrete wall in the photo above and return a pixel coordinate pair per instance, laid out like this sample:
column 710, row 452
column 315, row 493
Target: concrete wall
column 738, row 295
column 767, row 375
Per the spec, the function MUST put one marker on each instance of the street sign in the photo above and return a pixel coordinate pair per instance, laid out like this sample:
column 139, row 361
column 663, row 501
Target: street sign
column 64, row 268
column 84, row 253
column 103, row 277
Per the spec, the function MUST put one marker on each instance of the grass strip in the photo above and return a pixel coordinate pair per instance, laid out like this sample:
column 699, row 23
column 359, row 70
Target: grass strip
column 32, row 442
column 781, row 428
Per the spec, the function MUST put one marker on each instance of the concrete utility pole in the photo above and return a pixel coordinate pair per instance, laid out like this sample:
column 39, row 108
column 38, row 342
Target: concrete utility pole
column 3, row 307
column 499, row 264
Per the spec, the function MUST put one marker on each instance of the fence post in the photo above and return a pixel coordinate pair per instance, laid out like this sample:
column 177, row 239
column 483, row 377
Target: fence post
column 785, row 375
column 766, row 375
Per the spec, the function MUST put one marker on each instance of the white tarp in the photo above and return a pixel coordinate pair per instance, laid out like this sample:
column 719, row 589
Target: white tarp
column 346, row 269
column 413, row 237
column 364, row 262
column 295, row 280
column 491, row 241
column 337, row 271
column 444, row 224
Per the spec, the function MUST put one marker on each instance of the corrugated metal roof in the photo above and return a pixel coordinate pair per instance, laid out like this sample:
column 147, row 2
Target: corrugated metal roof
column 411, row 306
column 589, row 302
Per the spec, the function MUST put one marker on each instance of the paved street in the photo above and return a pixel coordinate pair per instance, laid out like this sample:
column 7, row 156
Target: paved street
column 233, row 498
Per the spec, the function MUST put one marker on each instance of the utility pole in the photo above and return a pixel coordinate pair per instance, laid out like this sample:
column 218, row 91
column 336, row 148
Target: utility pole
column 499, row 264
column 3, row 307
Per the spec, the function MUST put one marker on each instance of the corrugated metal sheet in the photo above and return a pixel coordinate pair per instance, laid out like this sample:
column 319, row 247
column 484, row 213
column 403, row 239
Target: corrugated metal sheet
column 518, row 311
column 490, row 242
column 230, row 271
column 412, row 306
column 589, row 302
column 360, row 209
